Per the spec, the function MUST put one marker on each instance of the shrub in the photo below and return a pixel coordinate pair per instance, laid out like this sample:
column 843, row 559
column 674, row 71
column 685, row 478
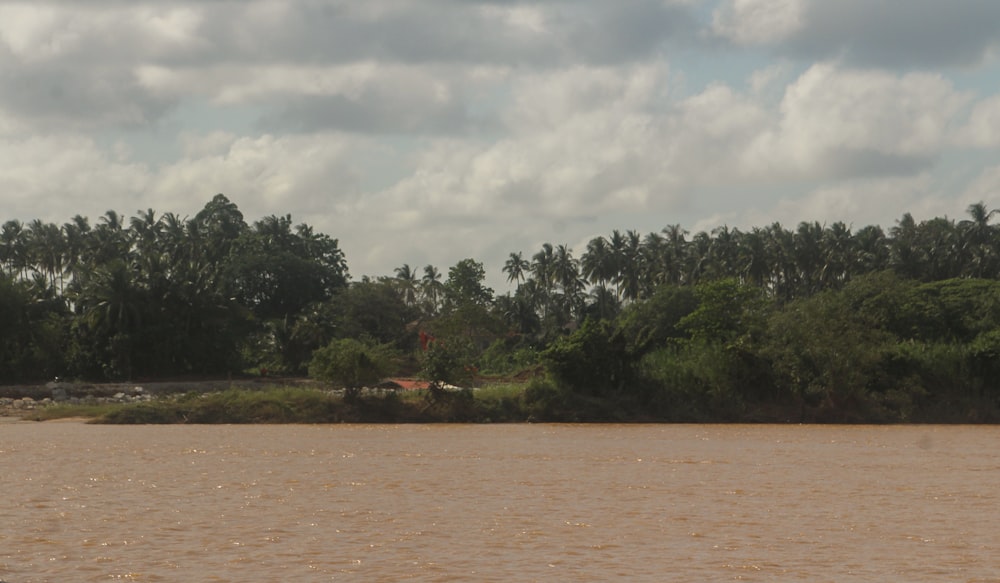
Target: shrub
column 594, row 360
column 351, row 363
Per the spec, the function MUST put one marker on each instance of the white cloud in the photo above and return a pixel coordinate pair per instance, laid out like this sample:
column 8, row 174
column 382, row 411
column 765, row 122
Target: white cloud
column 862, row 202
column 56, row 177
column 427, row 132
column 865, row 33
column 983, row 188
column 982, row 129
column 751, row 22
column 836, row 120
column 263, row 175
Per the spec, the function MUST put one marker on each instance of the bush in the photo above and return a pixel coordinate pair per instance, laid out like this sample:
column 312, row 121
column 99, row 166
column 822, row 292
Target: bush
column 448, row 362
column 507, row 355
column 593, row 361
column 351, row 363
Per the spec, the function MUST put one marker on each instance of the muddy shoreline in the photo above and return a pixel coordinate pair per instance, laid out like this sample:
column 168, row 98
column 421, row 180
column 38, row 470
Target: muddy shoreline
column 155, row 388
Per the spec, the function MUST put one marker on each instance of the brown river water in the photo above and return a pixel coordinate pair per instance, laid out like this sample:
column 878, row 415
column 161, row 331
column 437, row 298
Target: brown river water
column 498, row 503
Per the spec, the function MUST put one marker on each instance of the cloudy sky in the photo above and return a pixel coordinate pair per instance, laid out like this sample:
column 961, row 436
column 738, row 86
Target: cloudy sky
column 428, row 131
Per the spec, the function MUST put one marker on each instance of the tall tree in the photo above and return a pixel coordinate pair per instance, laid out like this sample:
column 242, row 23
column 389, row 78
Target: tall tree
column 406, row 280
column 980, row 238
column 432, row 289
column 516, row 267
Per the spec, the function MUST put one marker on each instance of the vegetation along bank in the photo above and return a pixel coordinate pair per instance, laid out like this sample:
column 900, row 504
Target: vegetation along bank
column 819, row 323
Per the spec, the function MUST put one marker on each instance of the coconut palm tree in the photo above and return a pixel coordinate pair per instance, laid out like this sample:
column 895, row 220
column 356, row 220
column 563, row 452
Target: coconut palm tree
column 432, row 289
column 871, row 250
column 13, row 248
column 626, row 250
column 980, row 240
column 516, row 267
column 754, row 260
column 542, row 271
column 838, row 253
column 604, row 304
column 675, row 246
column 597, row 264
column 406, row 280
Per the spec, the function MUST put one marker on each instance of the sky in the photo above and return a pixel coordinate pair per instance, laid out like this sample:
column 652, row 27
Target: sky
column 425, row 132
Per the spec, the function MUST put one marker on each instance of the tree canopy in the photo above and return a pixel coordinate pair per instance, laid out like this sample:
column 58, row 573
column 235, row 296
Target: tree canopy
column 831, row 322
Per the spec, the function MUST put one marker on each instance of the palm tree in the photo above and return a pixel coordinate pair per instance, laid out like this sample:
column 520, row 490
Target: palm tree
column 45, row 250
column 781, row 250
column 626, row 250
column 518, row 311
column 75, row 233
column 108, row 241
column 566, row 274
column 980, row 239
column 542, row 273
column 698, row 257
column 754, row 260
column 905, row 258
column 808, row 240
column 112, row 306
column 652, row 257
column 838, row 253
column 432, row 289
column 603, row 305
column 13, row 248
column 516, row 267
column 674, row 251
column 597, row 264
column 940, row 246
column 406, row 280
column 724, row 252
column 565, row 269
column 871, row 250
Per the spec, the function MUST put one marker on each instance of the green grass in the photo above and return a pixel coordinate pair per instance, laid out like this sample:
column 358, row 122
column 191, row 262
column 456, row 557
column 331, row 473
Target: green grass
column 502, row 403
column 64, row 411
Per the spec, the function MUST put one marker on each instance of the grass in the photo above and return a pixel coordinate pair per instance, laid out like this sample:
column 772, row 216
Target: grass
column 303, row 405
column 92, row 411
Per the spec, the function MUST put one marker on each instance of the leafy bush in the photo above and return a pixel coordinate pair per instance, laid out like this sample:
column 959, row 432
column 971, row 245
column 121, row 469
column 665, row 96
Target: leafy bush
column 448, row 362
column 594, row 360
column 351, row 363
column 507, row 355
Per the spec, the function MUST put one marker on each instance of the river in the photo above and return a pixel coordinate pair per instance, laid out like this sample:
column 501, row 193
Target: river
column 498, row 503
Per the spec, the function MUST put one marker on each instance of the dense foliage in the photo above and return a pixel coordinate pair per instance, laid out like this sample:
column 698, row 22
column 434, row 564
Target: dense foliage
column 815, row 323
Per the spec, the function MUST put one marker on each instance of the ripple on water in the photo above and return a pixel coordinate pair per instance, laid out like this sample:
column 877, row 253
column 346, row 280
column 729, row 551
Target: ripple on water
column 497, row 503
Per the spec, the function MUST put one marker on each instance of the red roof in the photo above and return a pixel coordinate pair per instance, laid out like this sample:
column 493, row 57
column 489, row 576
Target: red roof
column 409, row 384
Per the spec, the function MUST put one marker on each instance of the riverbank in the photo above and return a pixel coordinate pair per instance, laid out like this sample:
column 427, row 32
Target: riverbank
column 538, row 400
column 21, row 400
column 285, row 404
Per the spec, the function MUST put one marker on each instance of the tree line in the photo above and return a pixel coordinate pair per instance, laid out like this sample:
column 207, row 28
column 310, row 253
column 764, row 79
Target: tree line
column 721, row 322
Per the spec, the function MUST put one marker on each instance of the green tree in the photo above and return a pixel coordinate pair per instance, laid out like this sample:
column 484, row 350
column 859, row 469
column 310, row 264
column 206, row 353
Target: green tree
column 516, row 267
column 727, row 312
column 593, row 361
column 351, row 363
column 465, row 285
column 826, row 354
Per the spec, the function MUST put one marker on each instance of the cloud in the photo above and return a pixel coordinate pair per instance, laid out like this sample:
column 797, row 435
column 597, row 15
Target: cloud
column 982, row 129
column 265, row 175
column 861, row 202
column 442, row 31
column 753, row 22
column 866, row 33
column 56, row 177
column 379, row 66
column 425, row 132
column 72, row 66
column 848, row 122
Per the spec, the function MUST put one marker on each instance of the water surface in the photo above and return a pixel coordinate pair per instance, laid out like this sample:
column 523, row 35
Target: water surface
column 498, row 503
